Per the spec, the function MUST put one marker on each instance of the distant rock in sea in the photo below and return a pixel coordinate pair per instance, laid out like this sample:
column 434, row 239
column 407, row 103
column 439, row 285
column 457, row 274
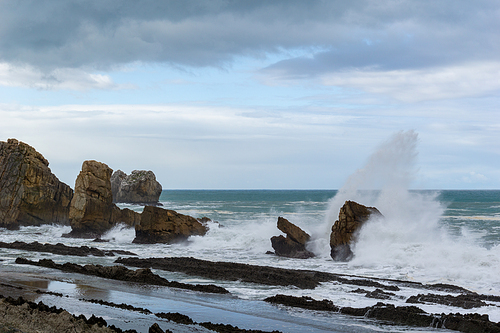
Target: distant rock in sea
column 294, row 244
column 351, row 217
column 160, row 225
column 30, row 194
column 140, row 187
column 92, row 211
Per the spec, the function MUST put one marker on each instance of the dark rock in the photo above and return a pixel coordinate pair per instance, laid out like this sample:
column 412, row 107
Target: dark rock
column 62, row 249
column 30, row 194
column 140, row 187
column 226, row 328
column 351, row 217
column 119, row 306
column 286, row 247
column 463, row 301
column 303, row 302
column 155, row 328
column 160, row 225
column 294, row 244
column 228, row 271
column 175, row 317
column 92, row 211
column 121, row 273
column 379, row 294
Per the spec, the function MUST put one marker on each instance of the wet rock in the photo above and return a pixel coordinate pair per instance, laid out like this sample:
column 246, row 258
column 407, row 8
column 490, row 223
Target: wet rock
column 226, row 328
column 402, row 315
column 121, row 273
column 304, row 302
column 92, row 211
column 119, row 306
column 252, row 273
column 140, row 187
column 62, row 249
column 351, row 217
column 228, row 271
column 463, row 301
column 160, row 225
column 175, row 317
column 155, row 328
column 294, row 244
column 27, row 316
column 30, row 194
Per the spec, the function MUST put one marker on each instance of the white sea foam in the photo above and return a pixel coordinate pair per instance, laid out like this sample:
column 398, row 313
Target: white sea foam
column 410, row 241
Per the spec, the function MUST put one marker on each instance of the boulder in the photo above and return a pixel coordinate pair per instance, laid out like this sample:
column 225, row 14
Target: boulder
column 140, row 187
column 160, row 225
column 92, row 211
column 30, row 194
column 294, row 244
column 351, row 217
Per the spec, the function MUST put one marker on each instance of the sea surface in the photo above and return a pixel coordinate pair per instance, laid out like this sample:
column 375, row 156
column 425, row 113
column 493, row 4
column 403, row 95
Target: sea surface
column 447, row 236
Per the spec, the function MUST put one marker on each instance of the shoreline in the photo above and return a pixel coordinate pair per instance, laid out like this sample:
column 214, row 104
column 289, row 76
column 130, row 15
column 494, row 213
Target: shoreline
column 80, row 294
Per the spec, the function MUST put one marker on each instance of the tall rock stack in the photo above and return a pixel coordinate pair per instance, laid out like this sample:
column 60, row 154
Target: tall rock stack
column 351, row 217
column 30, row 194
column 140, row 187
column 92, row 211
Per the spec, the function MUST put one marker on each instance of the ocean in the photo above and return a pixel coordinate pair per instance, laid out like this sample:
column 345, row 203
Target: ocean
column 441, row 236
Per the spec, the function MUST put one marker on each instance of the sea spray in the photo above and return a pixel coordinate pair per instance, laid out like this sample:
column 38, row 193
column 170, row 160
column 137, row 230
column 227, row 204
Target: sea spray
column 385, row 178
column 411, row 241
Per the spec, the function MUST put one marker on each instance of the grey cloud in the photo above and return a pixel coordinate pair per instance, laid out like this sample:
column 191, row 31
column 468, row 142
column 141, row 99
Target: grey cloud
column 388, row 34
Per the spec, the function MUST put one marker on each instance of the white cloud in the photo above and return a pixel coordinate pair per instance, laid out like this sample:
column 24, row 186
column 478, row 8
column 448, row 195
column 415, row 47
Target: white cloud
column 467, row 80
column 57, row 79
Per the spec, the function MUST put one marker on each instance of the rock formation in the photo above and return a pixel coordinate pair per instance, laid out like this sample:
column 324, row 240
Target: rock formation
column 30, row 194
column 139, row 187
column 294, row 244
column 92, row 211
column 160, row 225
column 351, row 217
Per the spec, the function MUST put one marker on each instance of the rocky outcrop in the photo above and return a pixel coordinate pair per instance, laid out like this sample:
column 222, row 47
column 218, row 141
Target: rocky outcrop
column 402, row 315
column 92, row 211
column 294, row 244
column 160, row 225
column 121, row 273
column 62, row 249
column 140, row 187
column 351, row 217
column 20, row 315
column 30, row 194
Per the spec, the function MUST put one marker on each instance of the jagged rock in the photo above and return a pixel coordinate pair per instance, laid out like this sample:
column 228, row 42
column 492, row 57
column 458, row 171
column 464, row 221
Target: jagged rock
column 293, row 245
column 30, row 194
column 140, row 187
column 160, row 225
column 92, row 211
column 116, row 181
column 351, row 216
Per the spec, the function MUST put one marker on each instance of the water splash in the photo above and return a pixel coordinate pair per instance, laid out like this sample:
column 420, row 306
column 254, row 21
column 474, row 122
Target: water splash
column 410, row 241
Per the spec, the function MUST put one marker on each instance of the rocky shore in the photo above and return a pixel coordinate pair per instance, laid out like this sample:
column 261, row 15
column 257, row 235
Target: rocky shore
column 23, row 316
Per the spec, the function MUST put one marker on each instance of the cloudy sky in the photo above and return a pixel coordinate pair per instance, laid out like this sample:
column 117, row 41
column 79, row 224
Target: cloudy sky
column 227, row 94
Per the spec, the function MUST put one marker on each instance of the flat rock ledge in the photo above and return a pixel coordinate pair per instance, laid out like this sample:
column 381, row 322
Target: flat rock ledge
column 62, row 249
column 266, row 275
column 20, row 315
column 122, row 273
column 403, row 315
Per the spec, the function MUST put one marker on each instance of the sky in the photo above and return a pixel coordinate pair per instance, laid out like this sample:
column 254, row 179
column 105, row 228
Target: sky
column 232, row 94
